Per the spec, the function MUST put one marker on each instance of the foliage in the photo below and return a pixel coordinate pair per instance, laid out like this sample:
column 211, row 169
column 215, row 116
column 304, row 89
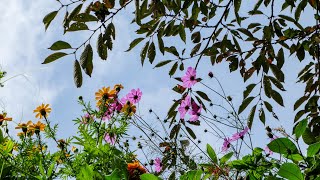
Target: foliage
column 256, row 41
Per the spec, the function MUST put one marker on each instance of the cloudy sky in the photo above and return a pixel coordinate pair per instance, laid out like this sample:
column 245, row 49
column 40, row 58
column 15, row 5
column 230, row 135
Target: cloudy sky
column 23, row 48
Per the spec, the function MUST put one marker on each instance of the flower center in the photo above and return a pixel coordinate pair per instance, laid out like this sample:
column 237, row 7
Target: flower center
column 105, row 96
column 192, row 78
column 135, row 97
column 43, row 112
column 187, row 108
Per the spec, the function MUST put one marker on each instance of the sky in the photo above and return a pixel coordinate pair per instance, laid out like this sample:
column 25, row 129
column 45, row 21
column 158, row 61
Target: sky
column 23, row 48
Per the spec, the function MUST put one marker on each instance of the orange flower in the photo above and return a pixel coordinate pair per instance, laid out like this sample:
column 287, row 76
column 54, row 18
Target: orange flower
column 135, row 170
column 37, row 127
column 42, row 111
column 104, row 94
column 4, row 118
column 24, row 126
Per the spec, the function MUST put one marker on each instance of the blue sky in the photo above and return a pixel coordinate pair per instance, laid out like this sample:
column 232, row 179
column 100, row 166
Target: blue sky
column 24, row 46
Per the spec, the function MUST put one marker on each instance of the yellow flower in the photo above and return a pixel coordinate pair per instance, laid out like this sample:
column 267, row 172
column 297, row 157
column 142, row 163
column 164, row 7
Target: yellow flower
column 24, row 126
column 104, row 94
column 118, row 87
column 74, row 149
column 4, row 118
column 129, row 109
column 42, row 111
column 135, row 169
column 37, row 127
column 20, row 134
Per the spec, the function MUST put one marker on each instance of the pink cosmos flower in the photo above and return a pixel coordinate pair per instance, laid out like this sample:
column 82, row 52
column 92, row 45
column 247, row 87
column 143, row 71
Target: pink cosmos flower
column 195, row 113
column 239, row 135
column 184, row 106
column 226, row 144
column 189, row 79
column 108, row 114
column 116, row 106
column 134, row 96
column 158, row 165
column 111, row 139
column 267, row 150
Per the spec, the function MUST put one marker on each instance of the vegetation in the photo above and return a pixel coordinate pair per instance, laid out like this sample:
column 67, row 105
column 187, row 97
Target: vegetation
column 256, row 43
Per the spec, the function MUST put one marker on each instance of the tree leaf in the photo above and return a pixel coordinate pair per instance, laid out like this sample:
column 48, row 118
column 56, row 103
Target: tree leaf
column 54, row 57
column 48, row 18
column 102, row 48
column 251, row 116
column 134, row 43
column 162, row 63
column 77, row 75
column 290, row 171
column 77, row 26
column 203, row 95
column 86, row 60
column 277, row 97
column 298, row 103
column 173, row 69
column 147, row 176
column 226, row 157
column 283, row 146
column 313, row 149
column 85, row 17
column 60, row 45
column 143, row 52
column 244, row 104
column 151, row 53
column 212, row 154
column 191, row 133
column 300, row 128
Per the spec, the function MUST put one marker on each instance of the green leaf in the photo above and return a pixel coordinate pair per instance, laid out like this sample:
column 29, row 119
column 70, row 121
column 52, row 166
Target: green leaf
column 300, row 128
column 226, row 158
column 134, row 43
column 60, row 45
column 290, row 171
column 151, row 53
column 85, row 17
column 313, row 149
column 102, row 48
column 262, row 116
column 162, row 63
column 182, row 33
column 195, row 49
column 277, row 97
column 54, row 57
column 86, row 60
column 245, row 103
column 48, row 18
column 75, row 12
column 212, row 154
column 143, row 52
column 173, row 69
column 77, row 26
column 77, row 75
column 237, row 5
column 248, row 90
column 251, row 116
column 203, row 95
column 308, row 137
column 298, row 103
column 283, row 146
column 191, row 133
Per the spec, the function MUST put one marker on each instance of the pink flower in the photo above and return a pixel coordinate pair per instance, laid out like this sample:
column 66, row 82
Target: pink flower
column 195, row 113
column 267, row 150
column 111, row 139
column 239, row 135
column 189, row 79
column 134, row 96
column 158, row 165
column 226, row 144
column 108, row 114
column 184, row 106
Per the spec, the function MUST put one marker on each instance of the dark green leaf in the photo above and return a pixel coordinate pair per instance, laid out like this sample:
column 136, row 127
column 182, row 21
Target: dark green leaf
column 143, row 52
column 77, row 75
column 151, row 53
column 84, row 17
column 86, row 60
column 173, row 69
column 60, row 45
column 203, row 95
column 102, row 48
column 54, row 57
column 251, row 116
column 191, row 133
column 277, row 97
column 298, row 103
column 78, row 26
column 244, row 104
column 48, row 18
column 134, row 43
column 162, row 63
